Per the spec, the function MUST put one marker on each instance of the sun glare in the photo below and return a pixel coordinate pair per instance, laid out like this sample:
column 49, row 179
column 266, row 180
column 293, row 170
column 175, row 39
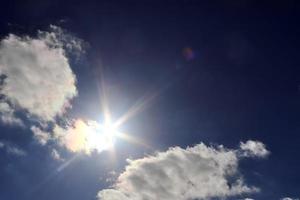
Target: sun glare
column 109, row 132
column 100, row 136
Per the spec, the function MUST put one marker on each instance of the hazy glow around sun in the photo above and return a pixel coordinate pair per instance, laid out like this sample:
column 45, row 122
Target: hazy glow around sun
column 89, row 136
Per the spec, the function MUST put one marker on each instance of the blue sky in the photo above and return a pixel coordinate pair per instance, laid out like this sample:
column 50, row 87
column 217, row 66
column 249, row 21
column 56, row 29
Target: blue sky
column 149, row 100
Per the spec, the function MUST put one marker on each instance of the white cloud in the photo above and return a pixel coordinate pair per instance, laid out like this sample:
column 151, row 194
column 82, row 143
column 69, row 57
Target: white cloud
column 199, row 172
column 38, row 77
column 254, row 148
column 288, row 198
column 12, row 149
column 40, row 136
column 7, row 115
column 55, row 155
column 62, row 39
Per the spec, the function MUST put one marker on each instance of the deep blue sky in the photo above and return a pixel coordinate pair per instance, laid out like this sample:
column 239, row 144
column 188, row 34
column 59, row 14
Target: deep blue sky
column 242, row 83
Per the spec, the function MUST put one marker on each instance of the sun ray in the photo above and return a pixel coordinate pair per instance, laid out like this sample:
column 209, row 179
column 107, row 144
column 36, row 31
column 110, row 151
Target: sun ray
column 54, row 173
column 140, row 105
column 134, row 140
column 103, row 92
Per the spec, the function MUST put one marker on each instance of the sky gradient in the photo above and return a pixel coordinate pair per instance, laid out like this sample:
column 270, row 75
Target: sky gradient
column 147, row 100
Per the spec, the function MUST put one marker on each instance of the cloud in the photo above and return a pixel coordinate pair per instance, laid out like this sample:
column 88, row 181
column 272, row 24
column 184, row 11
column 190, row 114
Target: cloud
column 83, row 136
column 288, row 198
column 199, row 172
column 55, row 155
column 37, row 74
column 254, row 148
column 74, row 137
column 12, row 149
column 62, row 39
column 7, row 115
column 42, row 137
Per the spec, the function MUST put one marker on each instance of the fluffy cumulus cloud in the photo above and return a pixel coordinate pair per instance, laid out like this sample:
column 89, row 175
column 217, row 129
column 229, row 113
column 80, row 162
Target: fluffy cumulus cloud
column 37, row 76
column 199, row 172
column 11, row 149
column 254, row 148
column 288, row 198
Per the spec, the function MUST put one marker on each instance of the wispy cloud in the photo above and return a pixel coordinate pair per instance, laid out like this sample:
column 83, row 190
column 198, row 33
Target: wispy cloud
column 11, row 149
column 56, row 156
column 288, row 198
column 42, row 137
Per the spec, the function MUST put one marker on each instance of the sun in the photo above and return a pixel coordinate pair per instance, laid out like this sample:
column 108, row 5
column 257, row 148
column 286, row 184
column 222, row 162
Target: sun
column 92, row 136
column 109, row 131
column 100, row 137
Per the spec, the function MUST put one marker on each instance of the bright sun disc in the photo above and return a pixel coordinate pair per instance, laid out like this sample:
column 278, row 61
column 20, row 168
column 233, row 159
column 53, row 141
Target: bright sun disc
column 101, row 136
column 109, row 131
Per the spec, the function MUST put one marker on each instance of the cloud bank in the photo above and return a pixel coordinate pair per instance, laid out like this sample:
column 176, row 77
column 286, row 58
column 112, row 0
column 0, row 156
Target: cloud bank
column 199, row 172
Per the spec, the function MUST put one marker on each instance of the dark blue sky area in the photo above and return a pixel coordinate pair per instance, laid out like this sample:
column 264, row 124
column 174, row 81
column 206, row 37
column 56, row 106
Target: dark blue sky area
column 222, row 71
